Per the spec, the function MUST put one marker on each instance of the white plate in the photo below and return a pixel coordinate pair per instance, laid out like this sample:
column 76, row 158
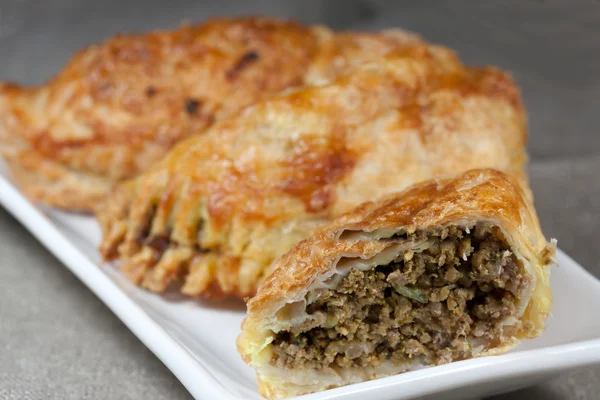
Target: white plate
column 196, row 340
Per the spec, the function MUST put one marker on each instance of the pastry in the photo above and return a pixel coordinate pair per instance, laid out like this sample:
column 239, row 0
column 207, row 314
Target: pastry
column 220, row 207
column 444, row 271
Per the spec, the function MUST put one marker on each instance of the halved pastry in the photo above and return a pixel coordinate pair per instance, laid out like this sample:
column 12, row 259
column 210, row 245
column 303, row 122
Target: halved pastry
column 447, row 270
column 220, row 207
column 118, row 107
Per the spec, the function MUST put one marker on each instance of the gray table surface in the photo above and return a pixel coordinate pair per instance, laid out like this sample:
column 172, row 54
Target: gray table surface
column 57, row 341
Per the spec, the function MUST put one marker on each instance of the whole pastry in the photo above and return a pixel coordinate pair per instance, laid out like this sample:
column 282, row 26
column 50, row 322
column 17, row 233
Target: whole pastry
column 221, row 207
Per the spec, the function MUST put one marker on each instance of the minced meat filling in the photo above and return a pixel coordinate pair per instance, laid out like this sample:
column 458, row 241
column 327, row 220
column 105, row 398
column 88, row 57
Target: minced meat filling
column 436, row 304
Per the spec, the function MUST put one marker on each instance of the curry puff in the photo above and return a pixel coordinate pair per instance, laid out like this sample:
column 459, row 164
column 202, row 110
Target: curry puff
column 445, row 271
column 118, row 107
column 212, row 216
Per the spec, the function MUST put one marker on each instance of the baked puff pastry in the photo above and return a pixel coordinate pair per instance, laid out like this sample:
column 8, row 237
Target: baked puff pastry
column 447, row 270
column 118, row 107
column 220, row 207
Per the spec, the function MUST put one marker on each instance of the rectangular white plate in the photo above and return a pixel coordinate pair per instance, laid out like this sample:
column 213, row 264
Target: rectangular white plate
column 196, row 340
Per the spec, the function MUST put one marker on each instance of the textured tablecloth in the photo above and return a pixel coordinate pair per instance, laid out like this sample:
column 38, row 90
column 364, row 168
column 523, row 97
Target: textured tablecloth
column 57, row 341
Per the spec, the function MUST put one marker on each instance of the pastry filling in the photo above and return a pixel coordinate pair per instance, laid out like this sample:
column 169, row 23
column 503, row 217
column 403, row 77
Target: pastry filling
column 440, row 304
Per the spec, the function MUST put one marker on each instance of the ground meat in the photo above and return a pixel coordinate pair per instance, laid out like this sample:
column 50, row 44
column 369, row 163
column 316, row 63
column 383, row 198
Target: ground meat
column 427, row 305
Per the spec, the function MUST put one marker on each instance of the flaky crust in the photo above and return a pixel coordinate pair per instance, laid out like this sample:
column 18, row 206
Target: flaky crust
column 476, row 196
column 222, row 206
column 118, row 107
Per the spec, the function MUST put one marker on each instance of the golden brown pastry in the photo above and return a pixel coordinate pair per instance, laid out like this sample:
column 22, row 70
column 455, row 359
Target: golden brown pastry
column 220, row 207
column 447, row 270
column 117, row 107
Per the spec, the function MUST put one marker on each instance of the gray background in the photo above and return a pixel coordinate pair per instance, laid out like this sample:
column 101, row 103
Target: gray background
column 57, row 341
